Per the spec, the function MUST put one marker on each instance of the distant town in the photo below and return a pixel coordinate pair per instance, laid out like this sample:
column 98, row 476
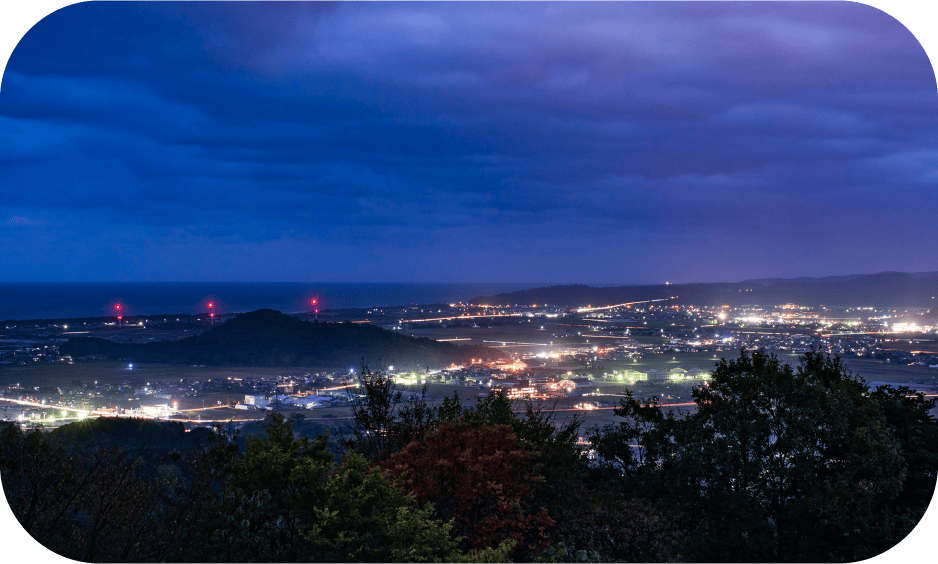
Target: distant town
column 578, row 360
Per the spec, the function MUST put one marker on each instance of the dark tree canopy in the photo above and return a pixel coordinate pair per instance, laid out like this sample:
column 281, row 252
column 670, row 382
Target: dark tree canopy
column 781, row 464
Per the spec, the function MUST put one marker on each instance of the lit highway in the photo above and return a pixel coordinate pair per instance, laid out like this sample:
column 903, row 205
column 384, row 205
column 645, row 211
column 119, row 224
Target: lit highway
column 479, row 316
column 600, row 308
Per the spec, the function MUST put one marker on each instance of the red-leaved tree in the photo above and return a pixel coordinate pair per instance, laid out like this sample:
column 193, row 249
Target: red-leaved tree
column 478, row 476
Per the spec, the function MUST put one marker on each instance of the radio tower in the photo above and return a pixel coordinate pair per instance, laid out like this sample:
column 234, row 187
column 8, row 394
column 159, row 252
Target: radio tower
column 313, row 302
column 117, row 307
column 211, row 310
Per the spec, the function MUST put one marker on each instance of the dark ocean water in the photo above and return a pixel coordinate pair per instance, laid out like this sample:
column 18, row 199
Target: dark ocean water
column 51, row 301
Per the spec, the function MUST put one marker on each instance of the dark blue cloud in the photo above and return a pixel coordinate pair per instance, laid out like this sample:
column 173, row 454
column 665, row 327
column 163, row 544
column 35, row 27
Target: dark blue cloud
column 608, row 142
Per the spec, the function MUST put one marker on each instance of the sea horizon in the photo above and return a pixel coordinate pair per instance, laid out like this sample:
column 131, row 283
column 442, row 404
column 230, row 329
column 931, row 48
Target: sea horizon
column 59, row 300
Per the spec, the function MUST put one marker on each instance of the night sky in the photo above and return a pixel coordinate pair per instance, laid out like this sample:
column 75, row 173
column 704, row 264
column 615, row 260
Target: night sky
column 595, row 143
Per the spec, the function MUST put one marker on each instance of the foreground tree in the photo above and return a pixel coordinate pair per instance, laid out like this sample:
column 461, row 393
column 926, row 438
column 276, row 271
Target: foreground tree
column 382, row 422
column 362, row 516
column 282, row 499
column 479, row 477
column 909, row 415
column 544, row 466
column 287, row 501
column 86, row 502
column 776, row 464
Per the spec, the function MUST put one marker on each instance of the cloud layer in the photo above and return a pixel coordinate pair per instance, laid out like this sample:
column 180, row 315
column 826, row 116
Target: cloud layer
column 604, row 142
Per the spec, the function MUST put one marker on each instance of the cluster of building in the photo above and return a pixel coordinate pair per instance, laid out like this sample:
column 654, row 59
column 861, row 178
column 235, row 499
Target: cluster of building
column 564, row 352
column 300, row 401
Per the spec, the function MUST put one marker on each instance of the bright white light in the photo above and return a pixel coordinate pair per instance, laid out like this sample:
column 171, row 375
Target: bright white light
column 130, row 366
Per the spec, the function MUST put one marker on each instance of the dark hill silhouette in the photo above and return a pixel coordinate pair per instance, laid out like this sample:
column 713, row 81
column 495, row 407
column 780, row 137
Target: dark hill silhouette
column 883, row 289
column 136, row 437
column 269, row 338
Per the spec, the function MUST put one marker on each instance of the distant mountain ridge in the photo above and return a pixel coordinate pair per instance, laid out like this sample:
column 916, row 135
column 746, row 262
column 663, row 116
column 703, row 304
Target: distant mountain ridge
column 884, row 289
column 271, row 338
column 842, row 278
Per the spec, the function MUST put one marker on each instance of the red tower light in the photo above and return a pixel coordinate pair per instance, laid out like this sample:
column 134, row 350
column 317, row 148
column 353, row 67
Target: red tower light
column 313, row 301
column 210, row 304
column 117, row 306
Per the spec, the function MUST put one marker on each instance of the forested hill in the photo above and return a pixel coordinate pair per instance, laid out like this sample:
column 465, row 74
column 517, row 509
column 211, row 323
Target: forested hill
column 270, row 338
column 883, row 289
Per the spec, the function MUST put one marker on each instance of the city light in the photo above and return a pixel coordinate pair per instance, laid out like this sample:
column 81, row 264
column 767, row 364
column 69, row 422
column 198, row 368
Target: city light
column 590, row 308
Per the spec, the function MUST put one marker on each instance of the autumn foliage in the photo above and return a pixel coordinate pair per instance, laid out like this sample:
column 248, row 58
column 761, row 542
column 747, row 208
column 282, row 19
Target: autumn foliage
column 479, row 477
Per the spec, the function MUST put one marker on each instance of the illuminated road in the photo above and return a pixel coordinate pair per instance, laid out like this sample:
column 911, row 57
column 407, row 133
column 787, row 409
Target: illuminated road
column 517, row 344
column 605, row 337
column 338, row 388
column 589, row 309
column 492, row 315
column 60, row 407
column 203, row 408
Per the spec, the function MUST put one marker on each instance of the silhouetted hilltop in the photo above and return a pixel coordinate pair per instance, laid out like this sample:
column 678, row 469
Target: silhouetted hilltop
column 883, row 289
column 136, row 437
column 269, row 338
